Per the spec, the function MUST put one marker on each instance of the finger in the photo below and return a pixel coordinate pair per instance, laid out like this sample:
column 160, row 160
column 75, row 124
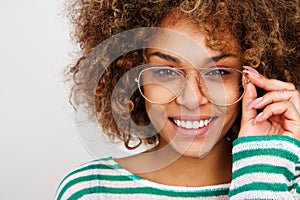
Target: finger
column 265, row 83
column 249, row 96
column 285, row 108
column 277, row 96
column 294, row 129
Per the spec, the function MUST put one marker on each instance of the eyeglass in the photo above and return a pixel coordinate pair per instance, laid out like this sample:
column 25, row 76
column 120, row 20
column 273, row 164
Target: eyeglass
column 162, row 84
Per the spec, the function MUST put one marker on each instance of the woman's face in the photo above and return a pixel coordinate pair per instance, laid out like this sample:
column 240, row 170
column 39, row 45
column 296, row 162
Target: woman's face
column 190, row 123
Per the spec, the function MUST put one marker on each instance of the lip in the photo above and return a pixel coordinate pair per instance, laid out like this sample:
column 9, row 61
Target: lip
column 192, row 118
column 192, row 132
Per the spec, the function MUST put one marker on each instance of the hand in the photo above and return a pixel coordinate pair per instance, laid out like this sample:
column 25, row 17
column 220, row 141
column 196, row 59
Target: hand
column 280, row 107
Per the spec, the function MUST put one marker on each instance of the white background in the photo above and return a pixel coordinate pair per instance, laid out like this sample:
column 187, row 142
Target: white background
column 38, row 143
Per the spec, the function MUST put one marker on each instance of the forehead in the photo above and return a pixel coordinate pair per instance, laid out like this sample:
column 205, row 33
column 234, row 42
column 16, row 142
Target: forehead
column 189, row 42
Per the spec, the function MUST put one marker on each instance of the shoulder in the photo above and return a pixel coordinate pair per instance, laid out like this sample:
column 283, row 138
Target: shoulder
column 283, row 143
column 266, row 150
column 86, row 177
column 265, row 166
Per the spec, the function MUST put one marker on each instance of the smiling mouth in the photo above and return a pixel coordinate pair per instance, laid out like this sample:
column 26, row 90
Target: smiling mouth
column 194, row 124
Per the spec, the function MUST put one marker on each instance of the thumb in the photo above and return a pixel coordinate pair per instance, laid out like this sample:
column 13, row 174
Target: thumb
column 250, row 95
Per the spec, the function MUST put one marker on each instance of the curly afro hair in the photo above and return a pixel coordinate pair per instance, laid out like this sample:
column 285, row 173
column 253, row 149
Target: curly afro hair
column 267, row 30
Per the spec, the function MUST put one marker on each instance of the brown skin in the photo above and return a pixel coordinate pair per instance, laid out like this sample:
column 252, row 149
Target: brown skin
column 189, row 169
column 213, row 169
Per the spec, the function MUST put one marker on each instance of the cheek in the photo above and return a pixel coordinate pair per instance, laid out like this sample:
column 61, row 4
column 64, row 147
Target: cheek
column 157, row 115
column 158, row 93
column 231, row 115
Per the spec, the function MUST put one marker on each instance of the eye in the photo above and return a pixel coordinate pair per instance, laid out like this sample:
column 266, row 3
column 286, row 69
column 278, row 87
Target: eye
column 166, row 74
column 217, row 72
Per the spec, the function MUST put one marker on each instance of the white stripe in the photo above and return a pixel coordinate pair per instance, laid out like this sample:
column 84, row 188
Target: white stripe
column 258, row 177
column 112, row 172
column 145, row 197
column 182, row 188
column 75, row 188
column 262, row 195
column 297, row 181
column 146, row 183
column 264, row 159
column 115, row 184
column 277, row 144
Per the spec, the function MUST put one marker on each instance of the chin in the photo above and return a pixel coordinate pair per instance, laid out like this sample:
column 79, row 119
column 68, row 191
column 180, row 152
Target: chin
column 196, row 149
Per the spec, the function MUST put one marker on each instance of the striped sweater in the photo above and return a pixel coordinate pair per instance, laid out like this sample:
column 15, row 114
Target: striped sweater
column 264, row 167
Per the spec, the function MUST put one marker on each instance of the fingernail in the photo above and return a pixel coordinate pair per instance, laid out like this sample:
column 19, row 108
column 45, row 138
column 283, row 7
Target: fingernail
column 251, row 73
column 258, row 117
column 254, row 102
column 251, row 70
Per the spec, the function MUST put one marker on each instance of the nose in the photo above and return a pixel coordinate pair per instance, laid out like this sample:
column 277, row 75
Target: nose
column 191, row 97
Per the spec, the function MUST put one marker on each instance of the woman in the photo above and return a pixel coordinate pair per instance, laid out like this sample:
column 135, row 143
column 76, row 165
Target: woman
column 187, row 89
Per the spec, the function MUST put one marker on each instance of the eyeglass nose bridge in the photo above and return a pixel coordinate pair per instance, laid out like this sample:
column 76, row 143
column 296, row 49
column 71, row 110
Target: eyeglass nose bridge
column 197, row 75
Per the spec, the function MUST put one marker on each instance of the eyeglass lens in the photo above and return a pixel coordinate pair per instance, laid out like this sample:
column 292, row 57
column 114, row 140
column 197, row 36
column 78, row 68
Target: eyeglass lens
column 221, row 86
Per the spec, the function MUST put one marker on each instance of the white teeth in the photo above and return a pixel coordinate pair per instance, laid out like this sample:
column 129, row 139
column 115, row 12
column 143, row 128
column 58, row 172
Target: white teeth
column 195, row 124
column 201, row 123
column 182, row 123
column 192, row 124
column 206, row 122
column 188, row 124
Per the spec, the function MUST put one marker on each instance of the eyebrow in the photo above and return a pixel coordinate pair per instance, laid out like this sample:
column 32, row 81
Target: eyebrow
column 218, row 58
column 166, row 57
column 206, row 61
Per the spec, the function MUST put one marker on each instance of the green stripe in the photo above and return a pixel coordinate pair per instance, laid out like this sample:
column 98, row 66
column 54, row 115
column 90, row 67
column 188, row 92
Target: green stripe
column 297, row 168
column 92, row 167
column 265, row 152
column 260, row 186
column 148, row 190
column 270, row 169
column 95, row 177
column 266, row 138
column 296, row 187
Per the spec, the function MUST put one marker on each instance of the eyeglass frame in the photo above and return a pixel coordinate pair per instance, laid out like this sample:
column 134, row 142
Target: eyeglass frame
column 138, row 78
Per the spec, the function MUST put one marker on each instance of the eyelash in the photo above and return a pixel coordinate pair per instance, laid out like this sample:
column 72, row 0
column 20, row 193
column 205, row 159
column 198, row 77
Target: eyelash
column 172, row 71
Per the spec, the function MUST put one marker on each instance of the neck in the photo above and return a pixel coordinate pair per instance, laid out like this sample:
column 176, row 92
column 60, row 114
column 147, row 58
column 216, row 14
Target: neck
column 214, row 168
column 170, row 168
